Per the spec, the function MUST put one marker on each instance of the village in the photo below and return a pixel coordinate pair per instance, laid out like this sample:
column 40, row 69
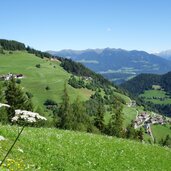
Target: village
column 146, row 120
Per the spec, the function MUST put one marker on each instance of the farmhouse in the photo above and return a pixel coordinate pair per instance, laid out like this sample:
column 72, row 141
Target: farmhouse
column 10, row 75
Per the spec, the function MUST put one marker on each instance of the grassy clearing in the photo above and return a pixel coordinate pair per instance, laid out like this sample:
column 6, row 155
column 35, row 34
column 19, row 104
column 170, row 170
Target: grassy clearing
column 36, row 79
column 156, row 96
column 160, row 131
column 126, row 98
column 129, row 114
column 51, row 149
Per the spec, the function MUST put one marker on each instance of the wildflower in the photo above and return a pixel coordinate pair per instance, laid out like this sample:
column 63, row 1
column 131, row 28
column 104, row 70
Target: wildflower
column 27, row 116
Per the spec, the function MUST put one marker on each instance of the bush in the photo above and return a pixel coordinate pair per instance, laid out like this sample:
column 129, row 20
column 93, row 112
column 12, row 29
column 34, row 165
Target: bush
column 18, row 81
column 47, row 88
column 49, row 102
column 37, row 65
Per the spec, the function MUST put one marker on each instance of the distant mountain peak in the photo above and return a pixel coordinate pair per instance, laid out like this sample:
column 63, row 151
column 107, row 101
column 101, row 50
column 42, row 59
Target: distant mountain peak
column 118, row 65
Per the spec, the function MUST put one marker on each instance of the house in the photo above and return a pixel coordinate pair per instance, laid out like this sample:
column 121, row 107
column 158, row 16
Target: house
column 10, row 75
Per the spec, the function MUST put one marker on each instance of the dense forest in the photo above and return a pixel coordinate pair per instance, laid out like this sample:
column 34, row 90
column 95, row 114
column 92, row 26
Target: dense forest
column 142, row 82
column 11, row 45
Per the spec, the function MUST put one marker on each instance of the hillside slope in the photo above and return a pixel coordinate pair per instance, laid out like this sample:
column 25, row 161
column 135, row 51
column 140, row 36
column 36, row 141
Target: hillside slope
column 51, row 149
column 143, row 82
column 50, row 74
column 36, row 79
column 152, row 89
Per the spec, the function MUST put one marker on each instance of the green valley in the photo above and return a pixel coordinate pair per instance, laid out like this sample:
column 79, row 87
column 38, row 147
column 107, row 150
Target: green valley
column 72, row 97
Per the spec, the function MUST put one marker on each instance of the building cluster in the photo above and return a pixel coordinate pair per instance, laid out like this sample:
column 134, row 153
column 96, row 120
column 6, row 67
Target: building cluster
column 144, row 119
column 10, row 75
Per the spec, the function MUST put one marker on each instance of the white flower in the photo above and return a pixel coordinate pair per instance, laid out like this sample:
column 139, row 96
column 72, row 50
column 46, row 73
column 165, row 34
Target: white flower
column 27, row 116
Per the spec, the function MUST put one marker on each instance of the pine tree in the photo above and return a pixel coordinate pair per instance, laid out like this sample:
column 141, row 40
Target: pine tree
column 115, row 127
column 130, row 131
column 79, row 117
column 140, row 134
column 15, row 98
column 99, row 118
column 65, row 111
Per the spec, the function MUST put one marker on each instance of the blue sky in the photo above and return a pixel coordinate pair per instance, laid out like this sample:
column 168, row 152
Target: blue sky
column 82, row 24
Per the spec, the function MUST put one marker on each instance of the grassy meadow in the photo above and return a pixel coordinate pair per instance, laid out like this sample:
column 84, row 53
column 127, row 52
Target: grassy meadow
column 48, row 149
column 37, row 79
column 156, row 96
column 161, row 131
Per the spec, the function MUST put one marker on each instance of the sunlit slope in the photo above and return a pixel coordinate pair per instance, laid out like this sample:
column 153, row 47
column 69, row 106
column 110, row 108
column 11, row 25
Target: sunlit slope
column 53, row 149
column 37, row 79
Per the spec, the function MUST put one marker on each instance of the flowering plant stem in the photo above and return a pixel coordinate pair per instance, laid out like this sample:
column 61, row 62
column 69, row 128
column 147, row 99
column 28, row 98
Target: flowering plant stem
column 12, row 145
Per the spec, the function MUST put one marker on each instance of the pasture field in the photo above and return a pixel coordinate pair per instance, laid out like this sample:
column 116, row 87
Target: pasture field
column 156, row 96
column 48, row 149
column 37, row 79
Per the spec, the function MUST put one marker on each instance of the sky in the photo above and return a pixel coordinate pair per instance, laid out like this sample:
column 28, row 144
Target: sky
column 83, row 24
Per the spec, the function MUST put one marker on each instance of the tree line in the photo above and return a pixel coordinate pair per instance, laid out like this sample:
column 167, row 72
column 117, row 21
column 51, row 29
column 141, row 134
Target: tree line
column 12, row 45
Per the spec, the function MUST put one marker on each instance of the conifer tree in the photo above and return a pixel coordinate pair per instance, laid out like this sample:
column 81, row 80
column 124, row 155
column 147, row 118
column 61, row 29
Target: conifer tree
column 99, row 118
column 65, row 111
column 15, row 98
column 115, row 127
column 140, row 134
column 130, row 131
column 79, row 117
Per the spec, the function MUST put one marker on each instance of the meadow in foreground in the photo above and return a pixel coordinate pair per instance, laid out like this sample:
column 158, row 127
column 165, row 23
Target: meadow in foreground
column 52, row 149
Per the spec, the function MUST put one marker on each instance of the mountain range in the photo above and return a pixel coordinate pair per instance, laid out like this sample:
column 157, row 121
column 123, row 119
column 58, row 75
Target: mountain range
column 118, row 65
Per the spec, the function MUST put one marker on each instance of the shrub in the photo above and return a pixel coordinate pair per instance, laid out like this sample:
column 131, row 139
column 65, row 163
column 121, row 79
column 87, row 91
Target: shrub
column 18, row 81
column 37, row 65
column 49, row 102
column 47, row 88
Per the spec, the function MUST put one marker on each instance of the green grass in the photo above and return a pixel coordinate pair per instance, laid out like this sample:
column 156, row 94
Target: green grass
column 129, row 115
column 155, row 95
column 160, row 131
column 124, row 97
column 36, row 79
column 48, row 149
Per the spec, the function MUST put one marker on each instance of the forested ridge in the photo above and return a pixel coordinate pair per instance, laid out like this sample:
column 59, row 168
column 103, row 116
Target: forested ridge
column 144, row 82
